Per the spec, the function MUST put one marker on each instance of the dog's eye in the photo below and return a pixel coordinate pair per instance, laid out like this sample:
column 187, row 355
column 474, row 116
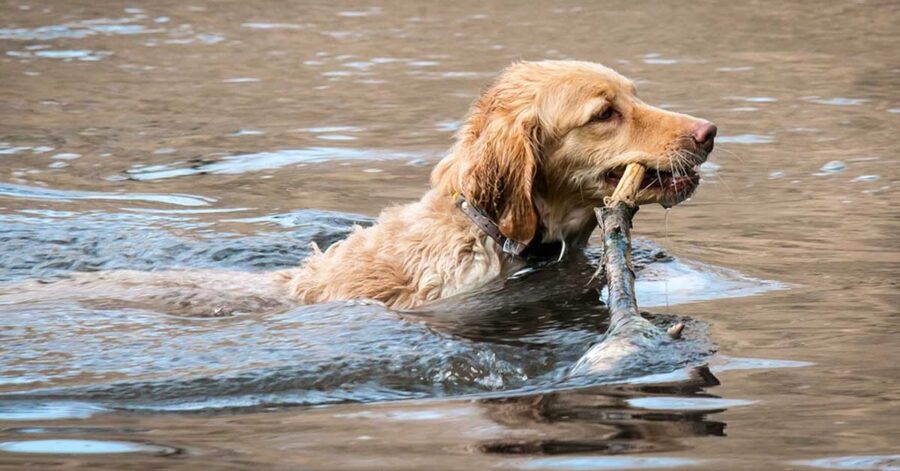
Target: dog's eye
column 605, row 115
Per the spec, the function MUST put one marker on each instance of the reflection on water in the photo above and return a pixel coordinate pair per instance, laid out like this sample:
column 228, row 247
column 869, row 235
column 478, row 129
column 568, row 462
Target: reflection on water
column 256, row 162
column 881, row 463
column 17, row 411
column 604, row 462
column 745, row 139
column 81, row 447
column 32, row 193
column 608, row 425
column 219, row 139
column 76, row 29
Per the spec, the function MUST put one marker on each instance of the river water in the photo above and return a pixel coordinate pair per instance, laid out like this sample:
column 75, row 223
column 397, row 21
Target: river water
column 220, row 138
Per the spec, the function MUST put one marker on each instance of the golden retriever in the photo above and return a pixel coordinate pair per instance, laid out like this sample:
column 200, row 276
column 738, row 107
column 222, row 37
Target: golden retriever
column 541, row 147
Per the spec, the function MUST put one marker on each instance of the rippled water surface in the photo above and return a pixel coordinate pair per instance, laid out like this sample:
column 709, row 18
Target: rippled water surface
column 219, row 139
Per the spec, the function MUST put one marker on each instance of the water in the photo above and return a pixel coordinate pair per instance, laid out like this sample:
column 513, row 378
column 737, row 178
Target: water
column 80, row 447
column 221, row 139
column 666, row 228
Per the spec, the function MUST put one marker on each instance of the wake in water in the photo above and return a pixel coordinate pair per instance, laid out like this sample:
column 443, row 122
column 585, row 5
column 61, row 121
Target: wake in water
column 217, row 335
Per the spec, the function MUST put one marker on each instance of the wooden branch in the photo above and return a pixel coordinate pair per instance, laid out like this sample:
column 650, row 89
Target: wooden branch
column 615, row 222
column 628, row 332
column 629, row 184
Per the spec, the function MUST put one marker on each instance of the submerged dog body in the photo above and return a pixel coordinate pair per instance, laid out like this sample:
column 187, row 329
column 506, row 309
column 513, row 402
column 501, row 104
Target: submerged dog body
column 539, row 149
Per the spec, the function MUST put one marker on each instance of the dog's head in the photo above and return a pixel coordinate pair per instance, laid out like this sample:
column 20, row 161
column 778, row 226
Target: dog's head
column 560, row 133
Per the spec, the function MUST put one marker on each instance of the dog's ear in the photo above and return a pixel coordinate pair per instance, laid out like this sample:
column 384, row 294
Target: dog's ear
column 495, row 163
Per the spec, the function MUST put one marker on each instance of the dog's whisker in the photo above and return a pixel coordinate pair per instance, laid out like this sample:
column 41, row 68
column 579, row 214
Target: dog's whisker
column 678, row 168
column 733, row 154
column 725, row 184
column 658, row 176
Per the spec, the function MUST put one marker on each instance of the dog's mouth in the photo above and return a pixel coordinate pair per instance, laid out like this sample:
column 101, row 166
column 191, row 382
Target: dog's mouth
column 659, row 186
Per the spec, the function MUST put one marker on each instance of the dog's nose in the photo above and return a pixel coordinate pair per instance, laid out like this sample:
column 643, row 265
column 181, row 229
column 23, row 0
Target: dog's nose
column 705, row 135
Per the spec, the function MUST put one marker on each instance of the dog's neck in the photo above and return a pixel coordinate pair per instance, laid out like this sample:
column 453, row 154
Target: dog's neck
column 566, row 212
column 562, row 221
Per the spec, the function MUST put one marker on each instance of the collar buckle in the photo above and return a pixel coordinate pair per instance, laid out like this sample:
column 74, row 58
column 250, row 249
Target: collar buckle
column 513, row 248
column 489, row 227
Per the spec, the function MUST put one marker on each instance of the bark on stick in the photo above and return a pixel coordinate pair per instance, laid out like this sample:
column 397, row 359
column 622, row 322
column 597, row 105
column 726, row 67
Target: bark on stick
column 628, row 332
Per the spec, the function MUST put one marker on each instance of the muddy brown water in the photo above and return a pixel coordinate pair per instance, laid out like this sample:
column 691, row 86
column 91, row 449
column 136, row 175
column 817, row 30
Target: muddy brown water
column 225, row 136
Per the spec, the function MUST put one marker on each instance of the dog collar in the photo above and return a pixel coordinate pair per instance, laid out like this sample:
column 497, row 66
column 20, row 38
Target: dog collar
column 489, row 227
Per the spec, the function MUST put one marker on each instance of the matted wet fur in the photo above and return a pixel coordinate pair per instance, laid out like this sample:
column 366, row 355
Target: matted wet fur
column 538, row 150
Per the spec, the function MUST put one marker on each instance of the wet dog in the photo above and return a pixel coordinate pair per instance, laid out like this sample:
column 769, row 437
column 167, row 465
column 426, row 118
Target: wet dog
column 542, row 146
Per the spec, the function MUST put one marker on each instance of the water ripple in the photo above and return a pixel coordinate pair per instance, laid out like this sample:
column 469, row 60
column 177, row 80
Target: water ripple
column 601, row 462
column 41, row 244
column 870, row 462
column 124, row 348
column 76, row 30
column 82, row 447
column 255, row 162
column 745, row 139
column 31, row 192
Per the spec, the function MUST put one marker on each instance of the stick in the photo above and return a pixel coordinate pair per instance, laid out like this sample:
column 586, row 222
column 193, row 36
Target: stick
column 628, row 332
column 626, row 192
column 615, row 222
column 629, row 184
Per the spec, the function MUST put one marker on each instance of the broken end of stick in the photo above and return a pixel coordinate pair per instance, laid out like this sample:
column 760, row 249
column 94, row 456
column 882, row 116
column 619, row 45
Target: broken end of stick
column 629, row 185
column 675, row 331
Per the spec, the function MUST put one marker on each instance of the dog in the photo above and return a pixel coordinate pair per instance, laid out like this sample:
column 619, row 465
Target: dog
column 540, row 148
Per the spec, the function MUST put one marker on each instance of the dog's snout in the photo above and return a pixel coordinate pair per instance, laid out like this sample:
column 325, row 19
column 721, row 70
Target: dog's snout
column 704, row 135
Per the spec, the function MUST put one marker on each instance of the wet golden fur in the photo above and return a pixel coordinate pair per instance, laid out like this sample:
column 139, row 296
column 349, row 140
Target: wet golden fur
column 534, row 153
